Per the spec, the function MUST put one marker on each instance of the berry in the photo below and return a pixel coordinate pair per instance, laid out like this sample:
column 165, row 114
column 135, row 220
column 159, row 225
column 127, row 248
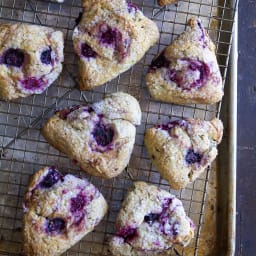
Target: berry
column 87, row 51
column 103, row 134
column 50, row 179
column 46, row 56
column 55, row 226
column 14, row 57
column 193, row 157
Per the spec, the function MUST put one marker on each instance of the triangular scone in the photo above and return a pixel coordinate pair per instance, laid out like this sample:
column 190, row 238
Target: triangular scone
column 59, row 210
column 150, row 222
column 181, row 150
column 187, row 70
column 99, row 137
column 166, row 2
column 110, row 38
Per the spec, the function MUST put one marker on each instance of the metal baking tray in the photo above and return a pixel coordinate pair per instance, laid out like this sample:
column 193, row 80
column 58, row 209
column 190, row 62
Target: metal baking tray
column 24, row 151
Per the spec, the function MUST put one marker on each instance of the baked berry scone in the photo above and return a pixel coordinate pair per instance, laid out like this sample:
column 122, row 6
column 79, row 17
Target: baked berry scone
column 99, row 137
column 166, row 2
column 187, row 70
column 151, row 221
column 31, row 59
column 59, row 210
column 110, row 38
column 181, row 150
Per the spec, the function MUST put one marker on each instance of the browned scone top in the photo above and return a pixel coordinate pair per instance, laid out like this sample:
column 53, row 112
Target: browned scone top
column 166, row 2
column 181, row 150
column 110, row 38
column 99, row 138
column 187, row 70
column 59, row 210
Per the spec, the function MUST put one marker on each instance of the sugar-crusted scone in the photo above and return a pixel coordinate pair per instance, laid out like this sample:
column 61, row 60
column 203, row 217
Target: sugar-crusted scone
column 181, row 150
column 31, row 59
column 59, row 210
column 187, row 70
column 150, row 222
column 99, row 137
column 111, row 37
column 166, row 2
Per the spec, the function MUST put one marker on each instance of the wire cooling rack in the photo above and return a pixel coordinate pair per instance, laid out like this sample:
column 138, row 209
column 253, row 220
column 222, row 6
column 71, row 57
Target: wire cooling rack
column 24, row 150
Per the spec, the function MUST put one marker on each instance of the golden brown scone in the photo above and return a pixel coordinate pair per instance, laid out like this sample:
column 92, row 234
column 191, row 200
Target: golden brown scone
column 181, row 150
column 100, row 137
column 59, row 210
column 31, row 59
column 110, row 38
column 166, row 2
column 187, row 70
column 150, row 222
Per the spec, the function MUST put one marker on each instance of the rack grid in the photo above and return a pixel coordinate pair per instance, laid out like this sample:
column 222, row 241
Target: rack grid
column 24, row 150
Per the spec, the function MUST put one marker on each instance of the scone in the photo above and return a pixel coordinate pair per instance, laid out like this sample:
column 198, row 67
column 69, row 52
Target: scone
column 187, row 70
column 166, row 2
column 151, row 221
column 109, row 39
column 59, row 210
column 181, row 150
column 31, row 59
column 99, row 137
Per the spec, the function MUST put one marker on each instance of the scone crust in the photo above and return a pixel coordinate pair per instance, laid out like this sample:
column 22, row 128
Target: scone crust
column 118, row 110
column 32, row 40
column 192, row 45
column 140, row 32
column 42, row 204
column 168, row 149
column 166, row 2
column 141, row 200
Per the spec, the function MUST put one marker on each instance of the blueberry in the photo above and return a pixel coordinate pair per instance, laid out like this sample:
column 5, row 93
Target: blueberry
column 55, row 226
column 103, row 134
column 128, row 233
column 151, row 218
column 13, row 57
column 32, row 83
column 87, row 51
column 50, row 179
column 160, row 62
column 193, row 157
column 46, row 56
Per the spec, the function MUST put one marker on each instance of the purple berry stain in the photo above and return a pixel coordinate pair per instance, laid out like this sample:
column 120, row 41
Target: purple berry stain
column 32, row 83
column 103, row 134
column 55, row 226
column 50, row 179
column 193, row 157
column 128, row 233
column 172, row 124
column 151, row 218
column 13, row 57
column 77, row 205
column 46, row 57
column 63, row 114
column 160, row 62
column 194, row 74
column 87, row 51
column 109, row 36
column 202, row 38
column 132, row 7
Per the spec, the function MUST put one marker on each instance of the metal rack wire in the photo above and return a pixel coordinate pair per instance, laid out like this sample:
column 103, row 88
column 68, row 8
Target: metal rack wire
column 24, row 150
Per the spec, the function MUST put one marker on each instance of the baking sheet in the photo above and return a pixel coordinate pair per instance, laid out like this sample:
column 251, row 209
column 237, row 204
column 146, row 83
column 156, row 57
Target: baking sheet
column 24, row 150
